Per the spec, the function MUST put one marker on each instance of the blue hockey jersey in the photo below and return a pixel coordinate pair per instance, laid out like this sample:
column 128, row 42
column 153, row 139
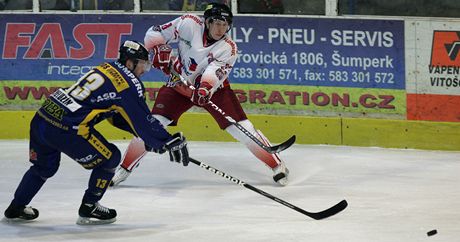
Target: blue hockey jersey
column 109, row 91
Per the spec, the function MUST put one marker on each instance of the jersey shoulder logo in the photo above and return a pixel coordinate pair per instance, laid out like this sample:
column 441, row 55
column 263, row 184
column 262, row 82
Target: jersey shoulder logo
column 232, row 45
column 117, row 79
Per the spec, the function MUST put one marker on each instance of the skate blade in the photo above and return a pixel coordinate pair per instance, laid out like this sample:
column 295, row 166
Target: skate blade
column 116, row 182
column 94, row 221
column 16, row 220
column 282, row 178
column 282, row 181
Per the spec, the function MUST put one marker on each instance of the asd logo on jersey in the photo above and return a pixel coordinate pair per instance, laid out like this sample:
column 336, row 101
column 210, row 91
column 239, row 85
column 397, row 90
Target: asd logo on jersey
column 105, row 97
column 446, row 48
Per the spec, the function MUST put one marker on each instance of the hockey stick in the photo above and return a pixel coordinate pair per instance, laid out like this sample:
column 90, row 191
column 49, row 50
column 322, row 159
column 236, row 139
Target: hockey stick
column 270, row 149
column 318, row 215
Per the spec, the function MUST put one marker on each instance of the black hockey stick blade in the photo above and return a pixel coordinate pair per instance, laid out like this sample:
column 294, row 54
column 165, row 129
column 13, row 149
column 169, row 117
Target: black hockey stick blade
column 330, row 211
column 314, row 215
column 278, row 148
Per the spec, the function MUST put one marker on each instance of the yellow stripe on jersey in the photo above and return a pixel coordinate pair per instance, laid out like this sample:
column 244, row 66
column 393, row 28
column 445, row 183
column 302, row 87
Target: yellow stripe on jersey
column 99, row 146
column 114, row 76
column 126, row 117
column 83, row 128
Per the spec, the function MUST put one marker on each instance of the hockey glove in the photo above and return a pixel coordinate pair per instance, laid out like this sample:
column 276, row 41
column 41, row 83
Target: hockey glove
column 177, row 148
column 162, row 57
column 202, row 94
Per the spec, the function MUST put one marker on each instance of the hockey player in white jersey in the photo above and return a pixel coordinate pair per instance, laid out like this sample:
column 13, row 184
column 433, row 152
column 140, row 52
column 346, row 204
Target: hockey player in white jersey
column 205, row 57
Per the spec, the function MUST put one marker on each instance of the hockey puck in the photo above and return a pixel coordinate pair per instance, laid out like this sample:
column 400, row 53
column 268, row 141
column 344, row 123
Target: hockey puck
column 432, row 232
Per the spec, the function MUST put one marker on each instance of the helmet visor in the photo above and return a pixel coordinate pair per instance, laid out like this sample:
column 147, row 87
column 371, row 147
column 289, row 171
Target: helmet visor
column 146, row 65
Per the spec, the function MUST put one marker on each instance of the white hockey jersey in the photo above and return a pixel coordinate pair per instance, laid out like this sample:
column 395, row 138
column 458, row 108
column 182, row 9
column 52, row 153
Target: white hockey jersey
column 196, row 61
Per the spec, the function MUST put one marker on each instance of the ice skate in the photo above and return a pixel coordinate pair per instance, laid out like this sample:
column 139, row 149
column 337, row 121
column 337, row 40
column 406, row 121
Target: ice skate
column 281, row 174
column 94, row 214
column 19, row 214
column 120, row 175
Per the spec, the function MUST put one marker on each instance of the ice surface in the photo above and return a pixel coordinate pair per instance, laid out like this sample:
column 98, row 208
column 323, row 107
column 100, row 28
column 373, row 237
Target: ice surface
column 393, row 195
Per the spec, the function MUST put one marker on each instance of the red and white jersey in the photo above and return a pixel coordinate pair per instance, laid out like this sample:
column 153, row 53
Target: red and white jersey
column 196, row 60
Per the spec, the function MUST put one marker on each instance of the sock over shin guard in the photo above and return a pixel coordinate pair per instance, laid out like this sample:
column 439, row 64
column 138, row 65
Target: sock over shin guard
column 134, row 153
column 271, row 160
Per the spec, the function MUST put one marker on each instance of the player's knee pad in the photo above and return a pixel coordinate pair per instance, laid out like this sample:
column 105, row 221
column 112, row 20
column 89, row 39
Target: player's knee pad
column 114, row 160
column 91, row 162
column 45, row 171
column 100, row 162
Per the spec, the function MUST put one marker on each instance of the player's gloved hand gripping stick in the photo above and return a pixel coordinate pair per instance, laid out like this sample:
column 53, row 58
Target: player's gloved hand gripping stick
column 177, row 148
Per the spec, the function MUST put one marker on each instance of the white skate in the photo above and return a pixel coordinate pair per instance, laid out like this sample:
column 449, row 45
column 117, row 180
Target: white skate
column 281, row 174
column 120, row 175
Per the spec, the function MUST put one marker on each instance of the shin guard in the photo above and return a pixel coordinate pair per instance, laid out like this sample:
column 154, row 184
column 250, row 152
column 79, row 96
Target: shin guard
column 134, row 153
column 271, row 160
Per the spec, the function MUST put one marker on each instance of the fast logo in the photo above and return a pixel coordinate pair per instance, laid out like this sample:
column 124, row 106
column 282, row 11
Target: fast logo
column 32, row 40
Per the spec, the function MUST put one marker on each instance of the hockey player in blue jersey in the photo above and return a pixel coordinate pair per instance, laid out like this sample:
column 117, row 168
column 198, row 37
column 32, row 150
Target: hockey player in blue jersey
column 65, row 124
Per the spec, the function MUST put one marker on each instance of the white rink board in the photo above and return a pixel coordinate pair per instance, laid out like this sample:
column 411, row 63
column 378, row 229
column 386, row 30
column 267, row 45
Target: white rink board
column 418, row 44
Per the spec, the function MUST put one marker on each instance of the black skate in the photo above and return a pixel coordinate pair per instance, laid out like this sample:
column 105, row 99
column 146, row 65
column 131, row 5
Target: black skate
column 94, row 213
column 15, row 213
